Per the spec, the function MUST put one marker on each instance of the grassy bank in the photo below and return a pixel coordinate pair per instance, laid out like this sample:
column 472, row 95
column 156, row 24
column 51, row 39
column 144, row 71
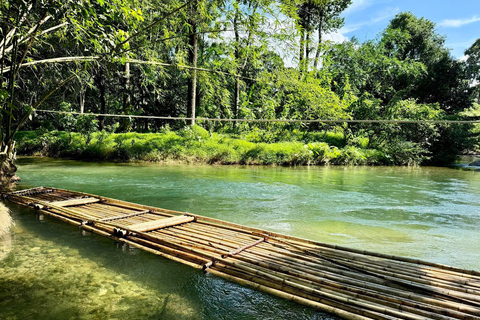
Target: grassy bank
column 196, row 145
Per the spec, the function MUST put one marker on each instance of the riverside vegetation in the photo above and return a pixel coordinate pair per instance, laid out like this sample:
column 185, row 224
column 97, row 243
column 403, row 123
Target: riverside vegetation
column 274, row 144
column 228, row 60
column 195, row 144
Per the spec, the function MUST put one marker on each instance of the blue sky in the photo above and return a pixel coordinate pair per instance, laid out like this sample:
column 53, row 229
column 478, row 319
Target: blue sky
column 458, row 21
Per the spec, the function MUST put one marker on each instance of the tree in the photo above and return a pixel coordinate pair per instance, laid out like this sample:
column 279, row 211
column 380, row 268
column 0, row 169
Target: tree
column 250, row 39
column 27, row 27
column 329, row 20
column 473, row 67
column 320, row 15
column 410, row 38
column 192, row 60
column 368, row 68
column 23, row 24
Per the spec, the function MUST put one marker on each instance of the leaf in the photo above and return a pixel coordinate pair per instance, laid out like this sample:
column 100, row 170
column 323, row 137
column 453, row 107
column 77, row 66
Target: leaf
column 3, row 94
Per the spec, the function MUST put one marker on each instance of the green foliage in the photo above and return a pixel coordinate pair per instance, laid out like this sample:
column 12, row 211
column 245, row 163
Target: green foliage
column 284, row 96
column 322, row 152
column 405, row 153
column 194, row 133
column 416, row 40
column 86, row 125
column 406, row 74
column 204, row 148
column 321, row 16
column 369, row 69
column 473, row 67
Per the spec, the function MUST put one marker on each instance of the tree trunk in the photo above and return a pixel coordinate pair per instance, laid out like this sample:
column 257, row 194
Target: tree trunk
column 192, row 60
column 307, row 43
column 100, row 80
column 126, row 94
column 302, row 49
column 81, row 98
column 236, row 95
column 145, row 124
column 319, row 46
column 8, row 178
column 126, row 125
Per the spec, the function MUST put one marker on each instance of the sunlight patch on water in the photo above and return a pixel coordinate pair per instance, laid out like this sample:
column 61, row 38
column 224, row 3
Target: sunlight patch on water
column 58, row 282
column 346, row 232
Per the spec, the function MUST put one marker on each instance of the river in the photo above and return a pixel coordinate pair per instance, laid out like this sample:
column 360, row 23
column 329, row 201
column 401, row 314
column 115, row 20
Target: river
column 56, row 271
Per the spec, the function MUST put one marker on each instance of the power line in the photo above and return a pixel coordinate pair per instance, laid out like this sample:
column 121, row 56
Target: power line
column 267, row 120
column 134, row 61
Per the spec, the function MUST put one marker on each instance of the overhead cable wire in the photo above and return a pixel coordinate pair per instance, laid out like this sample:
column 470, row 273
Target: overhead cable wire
column 400, row 121
column 134, row 61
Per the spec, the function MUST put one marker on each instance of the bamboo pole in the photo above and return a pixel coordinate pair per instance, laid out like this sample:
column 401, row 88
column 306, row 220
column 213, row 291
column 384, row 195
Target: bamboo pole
column 473, row 299
column 386, row 294
column 336, row 311
column 124, row 240
column 222, row 261
column 463, row 293
column 271, row 235
column 380, row 301
column 263, row 233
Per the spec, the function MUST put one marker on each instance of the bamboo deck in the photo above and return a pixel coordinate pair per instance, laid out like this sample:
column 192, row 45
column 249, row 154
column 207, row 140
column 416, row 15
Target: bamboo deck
column 349, row 283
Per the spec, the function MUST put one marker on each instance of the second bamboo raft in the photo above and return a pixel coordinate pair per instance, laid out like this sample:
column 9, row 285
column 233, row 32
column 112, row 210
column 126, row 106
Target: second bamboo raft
column 349, row 283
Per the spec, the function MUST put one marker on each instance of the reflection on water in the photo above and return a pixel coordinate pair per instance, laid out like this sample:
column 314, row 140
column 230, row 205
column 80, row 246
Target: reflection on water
column 53, row 271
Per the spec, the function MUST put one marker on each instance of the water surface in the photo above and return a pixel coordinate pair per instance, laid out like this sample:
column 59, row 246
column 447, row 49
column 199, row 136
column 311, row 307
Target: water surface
column 55, row 271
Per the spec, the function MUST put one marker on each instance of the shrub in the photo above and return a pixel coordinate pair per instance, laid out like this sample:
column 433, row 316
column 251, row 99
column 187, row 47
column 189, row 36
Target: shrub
column 198, row 145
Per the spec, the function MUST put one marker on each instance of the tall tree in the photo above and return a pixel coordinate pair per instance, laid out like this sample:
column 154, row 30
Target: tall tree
column 248, row 21
column 26, row 27
column 473, row 67
column 192, row 61
column 410, row 38
column 328, row 20
column 320, row 15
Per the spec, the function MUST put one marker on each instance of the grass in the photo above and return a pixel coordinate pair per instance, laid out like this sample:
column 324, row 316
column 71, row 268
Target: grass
column 196, row 145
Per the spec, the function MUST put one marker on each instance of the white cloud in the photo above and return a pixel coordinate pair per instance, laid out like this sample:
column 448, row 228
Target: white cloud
column 336, row 37
column 379, row 17
column 457, row 23
column 357, row 5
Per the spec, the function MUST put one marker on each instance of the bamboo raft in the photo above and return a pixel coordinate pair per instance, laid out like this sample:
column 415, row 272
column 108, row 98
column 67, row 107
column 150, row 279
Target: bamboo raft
column 349, row 283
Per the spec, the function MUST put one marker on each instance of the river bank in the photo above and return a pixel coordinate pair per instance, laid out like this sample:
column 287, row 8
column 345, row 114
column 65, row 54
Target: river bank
column 197, row 145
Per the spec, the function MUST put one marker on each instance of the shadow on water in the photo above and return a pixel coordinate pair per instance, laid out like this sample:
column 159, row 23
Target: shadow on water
column 57, row 271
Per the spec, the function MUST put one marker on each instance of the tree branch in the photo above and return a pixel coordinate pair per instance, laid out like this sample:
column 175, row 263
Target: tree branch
column 30, row 35
column 57, row 60
column 149, row 26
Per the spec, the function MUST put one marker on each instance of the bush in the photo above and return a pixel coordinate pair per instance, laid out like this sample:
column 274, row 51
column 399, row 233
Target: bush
column 198, row 145
column 352, row 155
column 405, row 153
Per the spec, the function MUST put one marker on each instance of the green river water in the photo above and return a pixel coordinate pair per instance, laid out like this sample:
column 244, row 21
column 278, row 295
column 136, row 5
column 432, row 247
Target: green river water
column 51, row 270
